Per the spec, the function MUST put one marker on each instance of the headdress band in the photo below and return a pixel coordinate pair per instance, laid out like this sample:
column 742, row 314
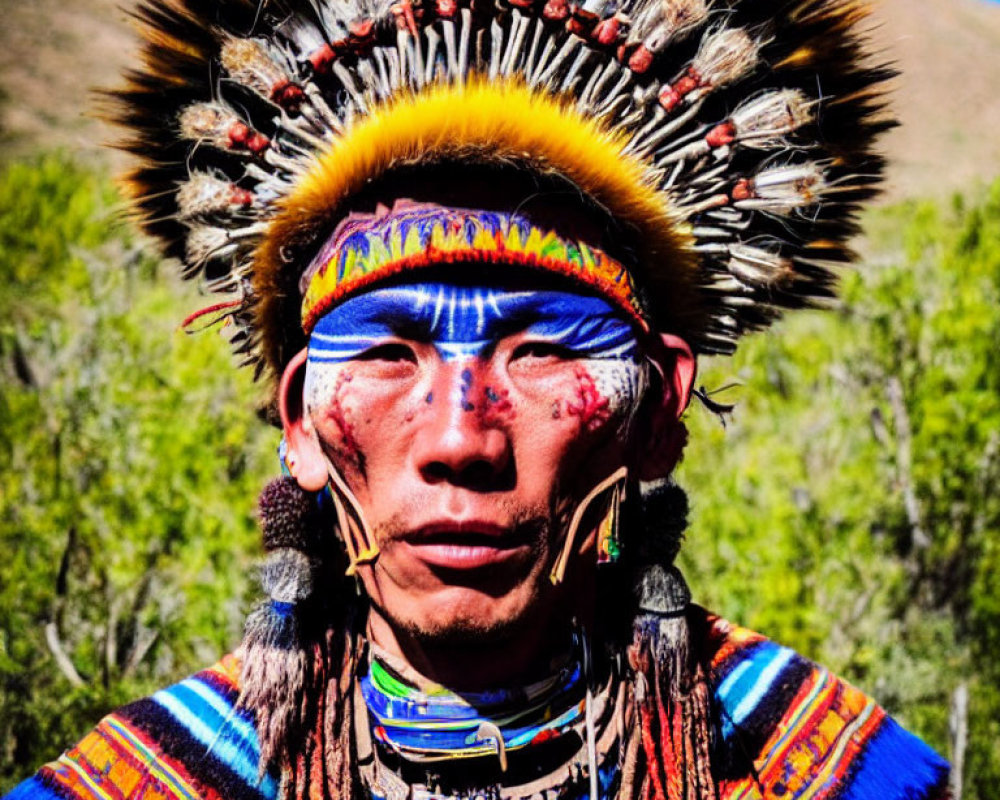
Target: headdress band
column 366, row 249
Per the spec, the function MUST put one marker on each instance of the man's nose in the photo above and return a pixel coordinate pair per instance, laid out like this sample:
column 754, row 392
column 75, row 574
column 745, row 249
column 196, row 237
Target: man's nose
column 456, row 442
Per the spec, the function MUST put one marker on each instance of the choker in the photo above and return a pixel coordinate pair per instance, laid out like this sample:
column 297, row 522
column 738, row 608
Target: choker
column 427, row 722
column 527, row 742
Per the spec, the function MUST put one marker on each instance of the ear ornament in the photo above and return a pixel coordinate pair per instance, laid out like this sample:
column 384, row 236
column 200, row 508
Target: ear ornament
column 357, row 535
column 613, row 488
column 609, row 546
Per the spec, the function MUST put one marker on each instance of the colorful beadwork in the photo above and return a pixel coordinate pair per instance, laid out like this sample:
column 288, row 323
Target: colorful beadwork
column 439, row 723
column 367, row 249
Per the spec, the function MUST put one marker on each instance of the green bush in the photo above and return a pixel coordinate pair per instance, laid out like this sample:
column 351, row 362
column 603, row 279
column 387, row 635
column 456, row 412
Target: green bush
column 131, row 460
column 851, row 508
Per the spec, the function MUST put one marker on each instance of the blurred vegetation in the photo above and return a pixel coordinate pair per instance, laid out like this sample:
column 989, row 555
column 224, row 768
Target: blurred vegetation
column 131, row 460
column 849, row 508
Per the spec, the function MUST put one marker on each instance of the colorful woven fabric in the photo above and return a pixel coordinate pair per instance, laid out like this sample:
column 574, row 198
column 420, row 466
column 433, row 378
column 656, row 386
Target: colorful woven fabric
column 787, row 730
column 366, row 249
column 815, row 737
column 183, row 743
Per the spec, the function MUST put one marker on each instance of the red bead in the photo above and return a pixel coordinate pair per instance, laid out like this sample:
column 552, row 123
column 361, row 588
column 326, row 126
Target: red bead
column 322, row 58
column 743, row 190
column 287, row 95
column 556, row 10
column 361, row 31
column 581, row 22
column 606, row 31
column 446, row 8
column 641, row 60
column 687, row 84
column 239, row 132
column 240, row 197
column 405, row 20
column 721, row 135
column 257, row 143
column 670, row 98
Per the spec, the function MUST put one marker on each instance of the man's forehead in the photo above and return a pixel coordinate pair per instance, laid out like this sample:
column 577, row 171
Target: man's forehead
column 462, row 320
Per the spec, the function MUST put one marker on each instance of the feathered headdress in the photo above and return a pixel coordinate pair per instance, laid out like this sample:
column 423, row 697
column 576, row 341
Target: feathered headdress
column 729, row 140
column 726, row 144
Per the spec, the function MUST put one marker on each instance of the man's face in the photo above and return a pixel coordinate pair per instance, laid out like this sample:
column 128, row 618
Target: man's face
column 469, row 423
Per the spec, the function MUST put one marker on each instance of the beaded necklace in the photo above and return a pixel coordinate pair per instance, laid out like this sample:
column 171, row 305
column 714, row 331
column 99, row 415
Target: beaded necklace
column 431, row 742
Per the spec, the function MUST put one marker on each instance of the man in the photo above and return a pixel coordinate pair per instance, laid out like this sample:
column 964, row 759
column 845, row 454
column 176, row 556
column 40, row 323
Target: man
column 478, row 249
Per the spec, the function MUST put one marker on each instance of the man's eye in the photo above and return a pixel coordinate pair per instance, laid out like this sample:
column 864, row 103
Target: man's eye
column 393, row 351
column 543, row 350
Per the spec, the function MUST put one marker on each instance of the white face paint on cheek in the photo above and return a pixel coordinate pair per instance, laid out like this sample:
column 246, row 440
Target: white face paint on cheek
column 318, row 386
column 608, row 391
column 324, row 392
column 622, row 382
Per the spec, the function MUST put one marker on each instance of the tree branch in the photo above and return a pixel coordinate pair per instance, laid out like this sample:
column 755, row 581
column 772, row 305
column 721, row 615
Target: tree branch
column 52, row 626
column 904, row 463
column 59, row 653
column 958, row 724
column 144, row 640
column 110, row 642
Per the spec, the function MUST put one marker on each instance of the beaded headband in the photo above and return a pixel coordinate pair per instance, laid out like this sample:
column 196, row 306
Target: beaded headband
column 366, row 249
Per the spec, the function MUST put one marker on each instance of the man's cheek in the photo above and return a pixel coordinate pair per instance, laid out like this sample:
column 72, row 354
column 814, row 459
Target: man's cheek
column 604, row 391
column 332, row 402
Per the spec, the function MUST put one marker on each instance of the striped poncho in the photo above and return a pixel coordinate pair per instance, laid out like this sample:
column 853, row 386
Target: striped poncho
column 787, row 729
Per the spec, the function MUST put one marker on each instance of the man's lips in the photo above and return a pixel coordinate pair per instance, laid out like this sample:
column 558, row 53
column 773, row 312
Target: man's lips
column 466, row 544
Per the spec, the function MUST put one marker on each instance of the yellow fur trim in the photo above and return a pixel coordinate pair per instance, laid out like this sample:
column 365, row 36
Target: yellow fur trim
column 500, row 122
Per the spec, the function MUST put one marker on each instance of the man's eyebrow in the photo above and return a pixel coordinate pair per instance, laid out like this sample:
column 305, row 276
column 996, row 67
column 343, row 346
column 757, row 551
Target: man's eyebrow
column 418, row 330
column 526, row 315
column 395, row 317
column 514, row 322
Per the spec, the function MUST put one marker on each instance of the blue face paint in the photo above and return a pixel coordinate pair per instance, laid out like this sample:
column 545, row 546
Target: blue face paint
column 467, row 322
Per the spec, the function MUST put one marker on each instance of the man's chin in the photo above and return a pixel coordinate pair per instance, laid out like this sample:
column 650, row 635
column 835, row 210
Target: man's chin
column 472, row 624
column 465, row 633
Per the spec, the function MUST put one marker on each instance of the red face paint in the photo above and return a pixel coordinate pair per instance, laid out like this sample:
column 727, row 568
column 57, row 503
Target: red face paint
column 495, row 406
column 590, row 406
column 335, row 412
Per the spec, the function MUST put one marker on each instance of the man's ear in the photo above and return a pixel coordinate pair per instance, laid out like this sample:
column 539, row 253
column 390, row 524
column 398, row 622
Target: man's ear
column 304, row 456
column 670, row 390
